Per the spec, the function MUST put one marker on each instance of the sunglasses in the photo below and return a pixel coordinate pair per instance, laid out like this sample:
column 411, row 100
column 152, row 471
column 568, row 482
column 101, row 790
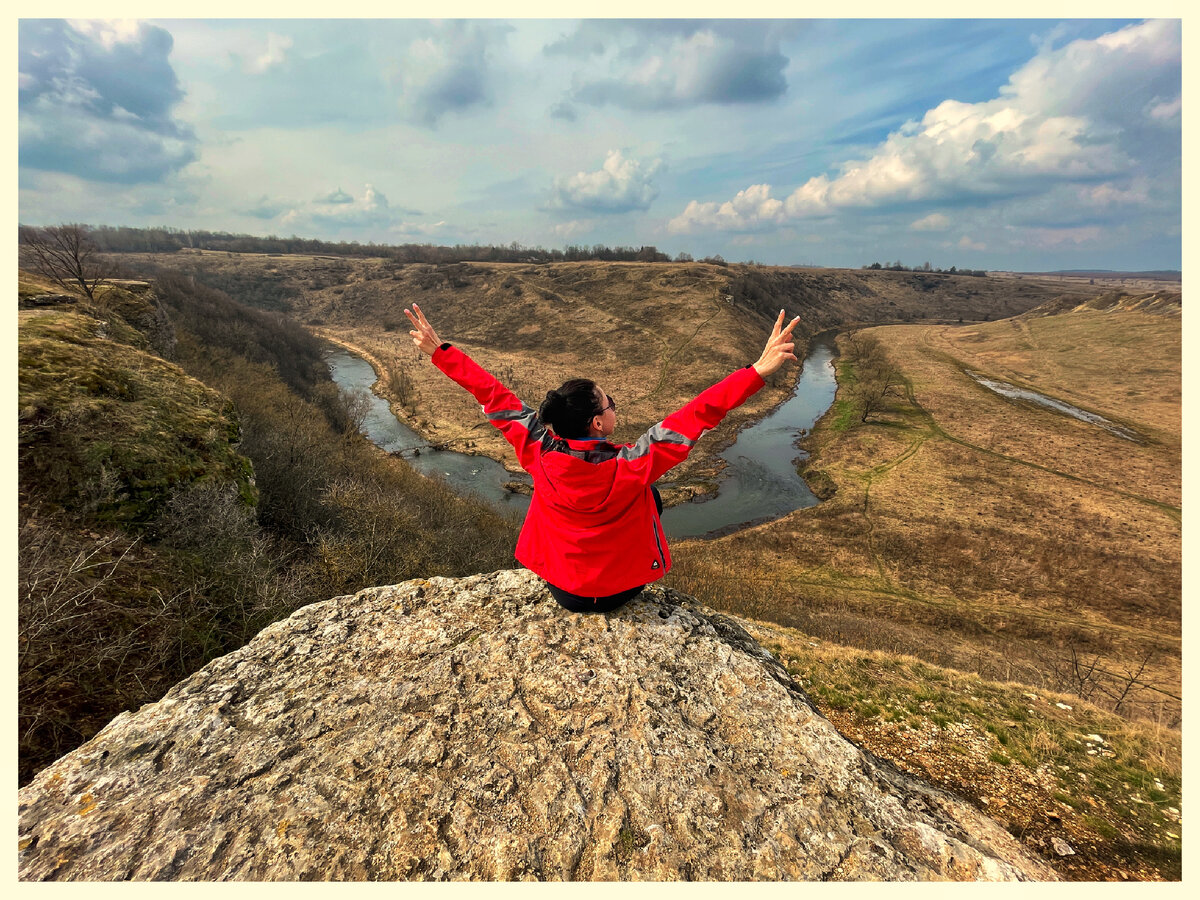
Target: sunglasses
column 612, row 404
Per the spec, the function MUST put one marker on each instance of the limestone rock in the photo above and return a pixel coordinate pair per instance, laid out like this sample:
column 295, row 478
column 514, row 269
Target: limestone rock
column 471, row 729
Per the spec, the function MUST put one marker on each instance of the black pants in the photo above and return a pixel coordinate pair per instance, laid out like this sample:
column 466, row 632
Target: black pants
column 576, row 603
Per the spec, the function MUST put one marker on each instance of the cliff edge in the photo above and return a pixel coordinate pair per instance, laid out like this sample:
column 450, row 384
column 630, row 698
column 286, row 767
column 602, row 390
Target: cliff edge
column 471, row 729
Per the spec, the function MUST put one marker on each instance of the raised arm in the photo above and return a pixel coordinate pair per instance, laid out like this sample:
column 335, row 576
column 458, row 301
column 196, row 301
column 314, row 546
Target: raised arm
column 423, row 334
column 780, row 347
column 670, row 441
column 518, row 423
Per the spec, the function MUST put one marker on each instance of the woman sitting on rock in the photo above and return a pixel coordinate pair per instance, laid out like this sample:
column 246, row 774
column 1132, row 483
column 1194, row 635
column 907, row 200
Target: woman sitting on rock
column 593, row 531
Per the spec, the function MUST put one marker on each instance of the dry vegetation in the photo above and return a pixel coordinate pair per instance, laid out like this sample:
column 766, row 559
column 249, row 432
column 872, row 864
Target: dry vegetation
column 1097, row 796
column 999, row 538
column 973, row 551
column 653, row 335
column 147, row 542
column 1049, row 549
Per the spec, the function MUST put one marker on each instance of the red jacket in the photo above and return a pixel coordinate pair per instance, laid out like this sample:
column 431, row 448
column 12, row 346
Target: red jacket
column 592, row 528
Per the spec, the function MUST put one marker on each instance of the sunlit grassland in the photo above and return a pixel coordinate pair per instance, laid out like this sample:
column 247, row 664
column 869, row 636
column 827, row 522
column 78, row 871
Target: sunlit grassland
column 988, row 535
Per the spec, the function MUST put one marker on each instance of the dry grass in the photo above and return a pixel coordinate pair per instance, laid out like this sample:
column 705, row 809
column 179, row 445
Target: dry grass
column 527, row 325
column 988, row 535
column 1046, row 765
column 652, row 335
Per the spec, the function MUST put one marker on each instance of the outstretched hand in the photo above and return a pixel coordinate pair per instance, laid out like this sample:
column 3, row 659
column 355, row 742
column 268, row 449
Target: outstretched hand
column 779, row 347
column 423, row 334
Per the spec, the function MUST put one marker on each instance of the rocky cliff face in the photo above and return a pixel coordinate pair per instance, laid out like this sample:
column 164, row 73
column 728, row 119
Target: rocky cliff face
column 471, row 729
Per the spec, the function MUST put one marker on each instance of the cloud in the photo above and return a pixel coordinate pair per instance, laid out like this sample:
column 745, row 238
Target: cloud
column 1165, row 111
column 272, row 55
column 574, row 227
column 370, row 210
column 672, row 64
column 965, row 243
column 621, row 185
column 264, row 208
column 751, row 210
column 932, row 222
column 447, row 70
column 97, row 100
column 338, row 196
column 418, row 229
column 1089, row 112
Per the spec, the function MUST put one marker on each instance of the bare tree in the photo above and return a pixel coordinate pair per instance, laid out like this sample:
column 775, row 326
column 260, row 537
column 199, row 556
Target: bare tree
column 876, row 378
column 65, row 254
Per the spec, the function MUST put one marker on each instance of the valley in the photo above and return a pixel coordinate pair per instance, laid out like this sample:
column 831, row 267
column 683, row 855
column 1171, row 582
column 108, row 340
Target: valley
column 962, row 534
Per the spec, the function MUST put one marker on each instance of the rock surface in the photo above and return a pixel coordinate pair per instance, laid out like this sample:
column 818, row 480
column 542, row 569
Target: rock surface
column 471, row 729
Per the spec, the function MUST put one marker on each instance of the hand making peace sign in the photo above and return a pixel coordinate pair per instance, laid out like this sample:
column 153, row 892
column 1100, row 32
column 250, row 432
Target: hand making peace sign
column 424, row 336
column 779, row 347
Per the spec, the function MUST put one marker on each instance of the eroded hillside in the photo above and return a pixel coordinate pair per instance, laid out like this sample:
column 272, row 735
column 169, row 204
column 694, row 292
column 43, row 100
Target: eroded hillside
column 653, row 335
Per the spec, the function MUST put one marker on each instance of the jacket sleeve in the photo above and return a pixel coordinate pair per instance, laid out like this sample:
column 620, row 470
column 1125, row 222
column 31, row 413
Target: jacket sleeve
column 518, row 423
column 670, row 441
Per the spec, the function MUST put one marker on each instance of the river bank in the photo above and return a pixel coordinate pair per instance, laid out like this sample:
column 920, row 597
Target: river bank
column 752, row 478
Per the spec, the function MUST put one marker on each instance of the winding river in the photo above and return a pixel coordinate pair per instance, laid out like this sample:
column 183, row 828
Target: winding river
column 759, row 483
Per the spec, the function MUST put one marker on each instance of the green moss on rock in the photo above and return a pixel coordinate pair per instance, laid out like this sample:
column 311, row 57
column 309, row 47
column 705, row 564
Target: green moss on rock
column 111, row 429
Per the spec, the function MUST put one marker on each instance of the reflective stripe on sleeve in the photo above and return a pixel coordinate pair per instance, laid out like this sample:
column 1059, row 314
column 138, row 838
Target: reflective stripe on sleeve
column 659, row 434
column 524, row 416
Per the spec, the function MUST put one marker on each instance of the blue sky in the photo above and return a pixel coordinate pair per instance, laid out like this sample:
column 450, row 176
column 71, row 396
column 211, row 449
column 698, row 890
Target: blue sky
column 1000, row 144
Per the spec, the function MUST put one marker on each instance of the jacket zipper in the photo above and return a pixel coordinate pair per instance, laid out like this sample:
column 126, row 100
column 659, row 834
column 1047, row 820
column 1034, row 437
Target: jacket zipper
column 662, row 560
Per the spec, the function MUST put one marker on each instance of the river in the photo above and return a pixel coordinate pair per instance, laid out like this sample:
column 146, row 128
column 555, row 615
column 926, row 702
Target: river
column 759, row 483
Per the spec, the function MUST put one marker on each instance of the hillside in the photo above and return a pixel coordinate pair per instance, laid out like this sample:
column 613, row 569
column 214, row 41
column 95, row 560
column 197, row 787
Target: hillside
column 966, row 531
column 105, row 423
column 652, row 335
column 163, row 521
column 997, row 536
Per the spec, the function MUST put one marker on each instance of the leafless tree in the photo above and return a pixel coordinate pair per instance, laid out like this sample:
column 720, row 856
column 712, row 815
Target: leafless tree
column 65, row 254
column 876, row 378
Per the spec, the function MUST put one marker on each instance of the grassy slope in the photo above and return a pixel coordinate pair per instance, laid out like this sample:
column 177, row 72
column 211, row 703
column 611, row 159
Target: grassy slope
column 1097, row 796
column 651, row 335
column 998, row 538
column 107, row 424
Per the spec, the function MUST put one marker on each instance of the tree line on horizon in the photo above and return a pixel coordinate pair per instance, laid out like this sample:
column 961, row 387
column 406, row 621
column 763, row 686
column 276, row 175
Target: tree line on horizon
column 898, row 266
column 125, row 239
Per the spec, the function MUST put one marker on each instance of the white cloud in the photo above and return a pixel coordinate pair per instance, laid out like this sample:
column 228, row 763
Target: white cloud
column 752, row 209
column 574, row 227
column 931, row 222
column 620, row 185
column 369, row 209
column 965, row 243
column 97, row 99
column 108, row 32
column 1108, row 195
column 417, row 229
column 1079, row 113
column 335, row 196
column 1164, row 111
column 448, row 70
column 273, row 55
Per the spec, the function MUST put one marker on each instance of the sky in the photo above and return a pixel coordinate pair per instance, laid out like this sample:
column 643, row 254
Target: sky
column 1004, row 144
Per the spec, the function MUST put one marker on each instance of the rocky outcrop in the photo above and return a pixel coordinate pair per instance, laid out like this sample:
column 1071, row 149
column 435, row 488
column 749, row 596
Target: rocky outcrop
column 37, row 301
column 472, row 729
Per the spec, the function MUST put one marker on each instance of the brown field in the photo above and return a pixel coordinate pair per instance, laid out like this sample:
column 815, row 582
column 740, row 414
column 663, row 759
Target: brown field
column 651, row 357
column 652, row 335
column 990, row 535
column 992, row 585
column 993, row 536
